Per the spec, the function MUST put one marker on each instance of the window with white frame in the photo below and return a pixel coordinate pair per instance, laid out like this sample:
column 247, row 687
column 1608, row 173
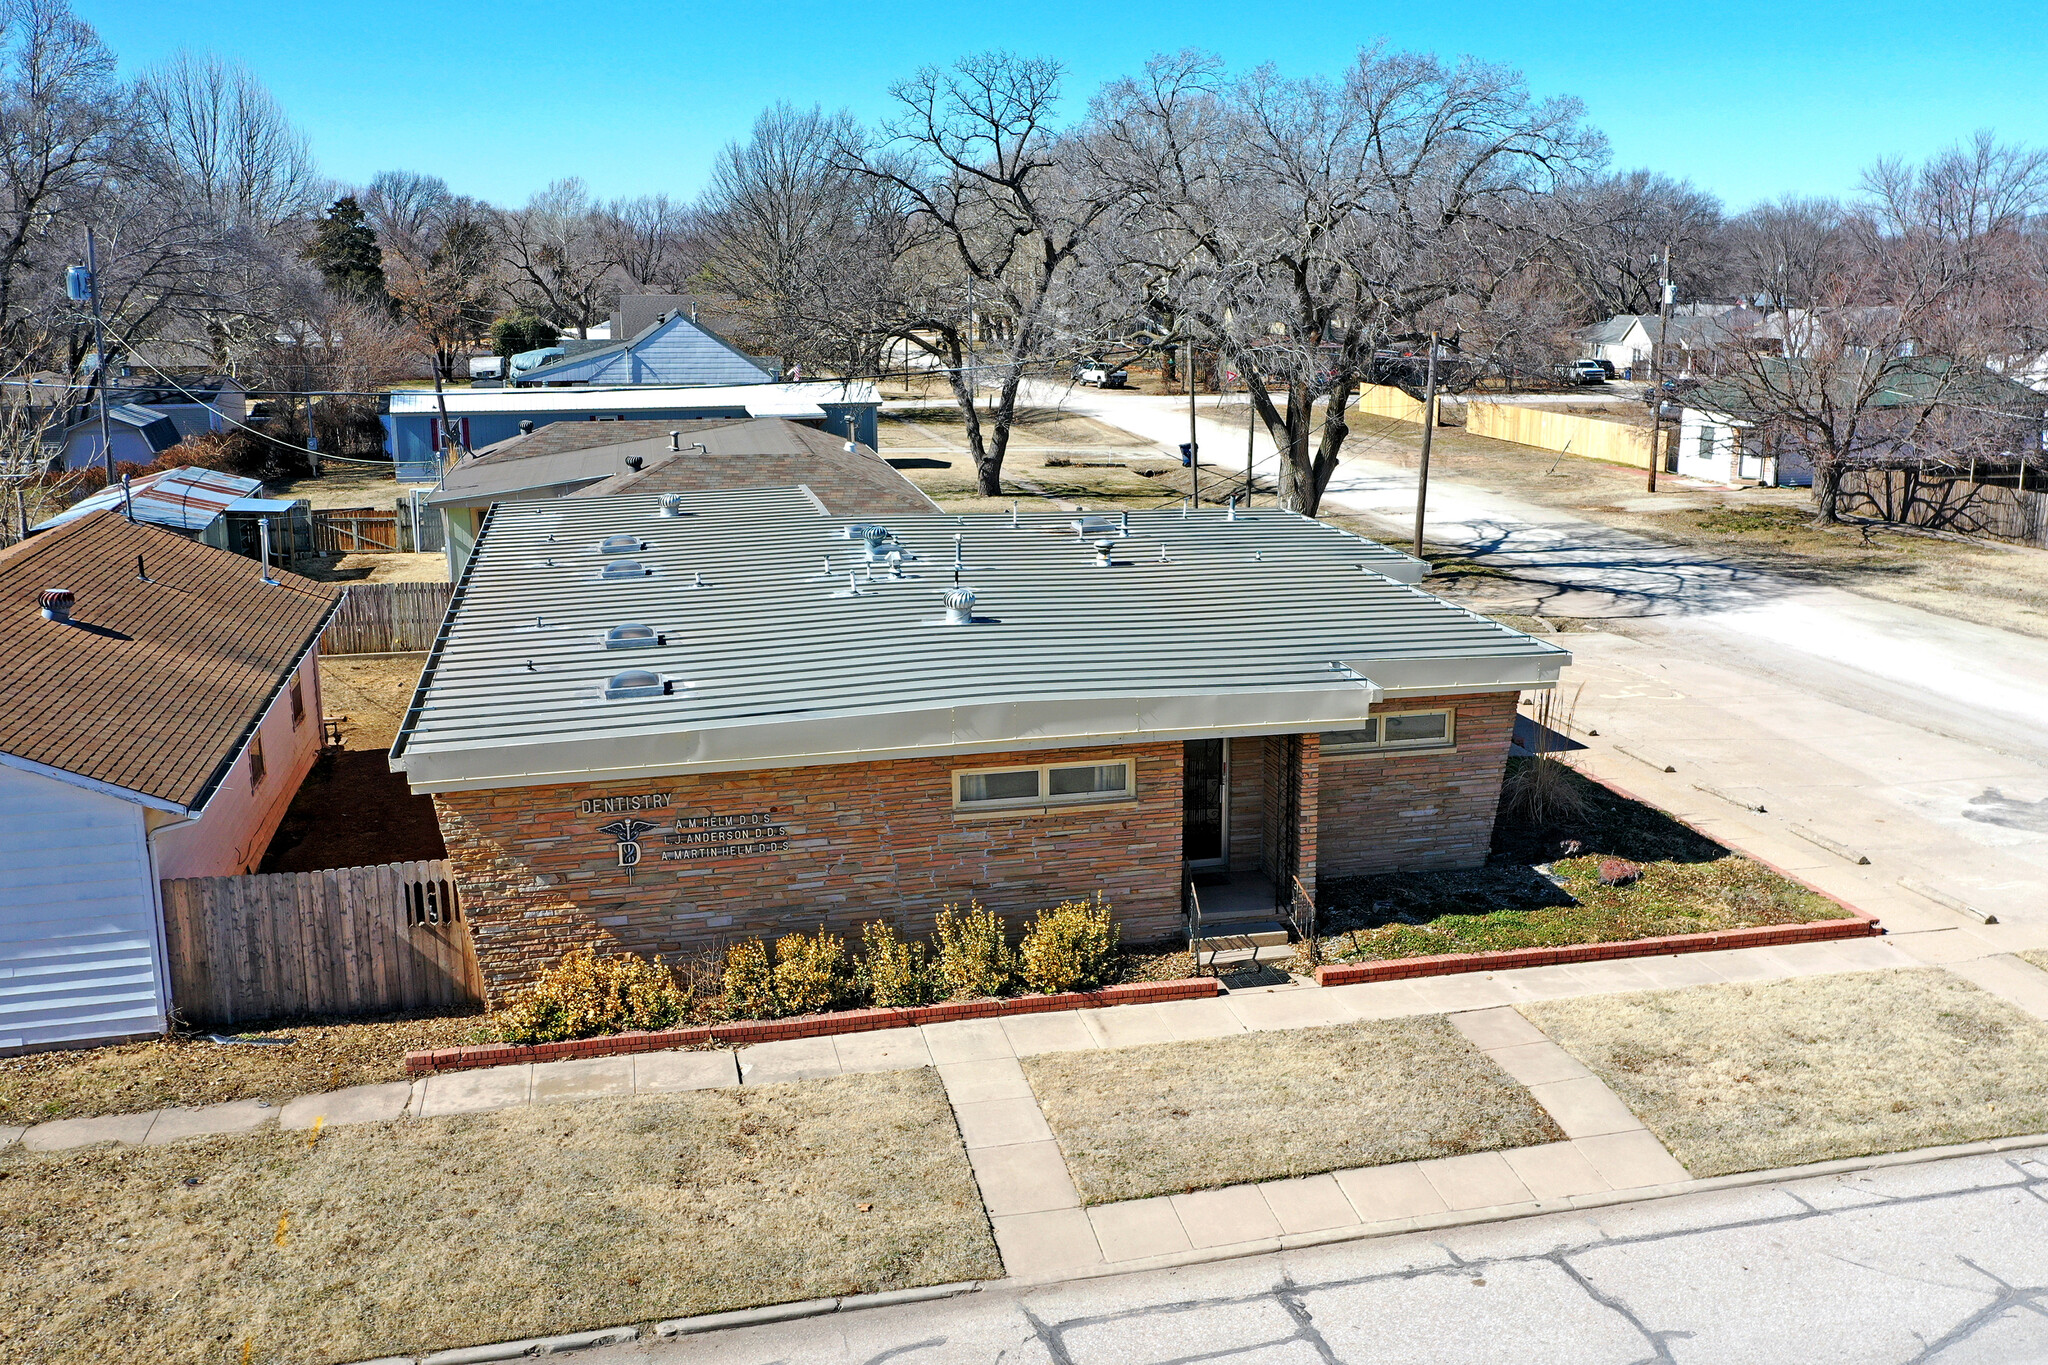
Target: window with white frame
column 1394, row 731
column 1046, row 785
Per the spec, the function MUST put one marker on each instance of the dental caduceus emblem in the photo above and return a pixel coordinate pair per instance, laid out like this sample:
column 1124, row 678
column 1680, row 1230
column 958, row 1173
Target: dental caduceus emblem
column 628, row 833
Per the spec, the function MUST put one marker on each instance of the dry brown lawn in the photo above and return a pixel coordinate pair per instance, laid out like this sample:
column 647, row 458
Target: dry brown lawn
column 1173, row 1117
column 415, row 1236
column 1752, row 1076
column 188, row 1071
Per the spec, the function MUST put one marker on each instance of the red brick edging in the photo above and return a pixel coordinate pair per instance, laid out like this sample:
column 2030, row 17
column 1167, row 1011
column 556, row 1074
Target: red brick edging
column 741, row 1032
column 1445, row 964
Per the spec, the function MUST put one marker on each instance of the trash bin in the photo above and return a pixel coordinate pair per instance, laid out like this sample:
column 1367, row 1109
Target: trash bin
column 1187, row 455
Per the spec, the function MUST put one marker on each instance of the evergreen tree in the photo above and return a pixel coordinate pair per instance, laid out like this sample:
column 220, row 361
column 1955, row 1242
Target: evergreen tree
column 345, row 250
column 520, row 332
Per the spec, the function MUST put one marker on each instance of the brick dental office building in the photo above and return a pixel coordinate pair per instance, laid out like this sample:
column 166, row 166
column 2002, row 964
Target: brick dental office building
column 661, row 722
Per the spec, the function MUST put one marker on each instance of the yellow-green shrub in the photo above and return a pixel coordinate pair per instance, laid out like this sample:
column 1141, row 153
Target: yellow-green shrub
column 811, row 973
column 1071, row 947
column 975, row 958
column 893, row 972
column 585, row 995
column 750, row 982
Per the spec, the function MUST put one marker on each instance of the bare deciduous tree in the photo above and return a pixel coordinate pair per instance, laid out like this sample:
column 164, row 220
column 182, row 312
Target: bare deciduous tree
column 1005, row 202
column 555, row 256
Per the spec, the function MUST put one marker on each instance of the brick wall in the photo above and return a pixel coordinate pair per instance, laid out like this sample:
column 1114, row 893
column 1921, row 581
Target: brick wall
column 1248, row 803
column 864, row 841
column 1417, row 812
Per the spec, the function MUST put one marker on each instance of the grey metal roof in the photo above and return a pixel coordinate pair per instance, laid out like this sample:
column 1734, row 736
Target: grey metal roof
column 1201, row 626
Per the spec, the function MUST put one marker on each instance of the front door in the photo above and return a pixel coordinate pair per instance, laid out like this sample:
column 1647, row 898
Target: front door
column 1205, row 802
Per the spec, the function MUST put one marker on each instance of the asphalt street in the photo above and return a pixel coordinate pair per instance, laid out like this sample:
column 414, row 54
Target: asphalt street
column 1939, row 1262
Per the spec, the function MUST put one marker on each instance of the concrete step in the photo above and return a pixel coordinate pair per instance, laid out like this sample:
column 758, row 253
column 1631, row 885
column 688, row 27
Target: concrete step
column 1241, row 934
column 1239, row 957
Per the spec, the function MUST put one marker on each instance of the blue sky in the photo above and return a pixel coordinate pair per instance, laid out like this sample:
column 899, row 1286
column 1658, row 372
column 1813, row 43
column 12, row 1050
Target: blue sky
column 1749, row 101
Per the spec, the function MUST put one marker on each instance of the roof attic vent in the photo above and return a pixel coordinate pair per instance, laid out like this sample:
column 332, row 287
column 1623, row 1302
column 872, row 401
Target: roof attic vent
column 1105, row 551
column 625, row 568
column 1094, row 526
column 621, row 545
column 636, row 682
column 525, row 426
column 57, row 604
column 860, row 530
column 633, row 462
column 675, row 440
column 672, row 504
column 633, row 636
column 960, row 607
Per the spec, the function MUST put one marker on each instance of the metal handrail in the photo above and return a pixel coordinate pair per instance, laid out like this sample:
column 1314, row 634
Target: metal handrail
column 1193, row 910
column 1301, row 910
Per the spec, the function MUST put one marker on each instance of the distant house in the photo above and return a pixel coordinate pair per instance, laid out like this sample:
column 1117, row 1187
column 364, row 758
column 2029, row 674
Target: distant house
column 669, row 350
column 588, row 459
column 159, row 705
column 212, row 507
column 1624, row 341
column 137, row 434
column 142, row 422
column 484, row 417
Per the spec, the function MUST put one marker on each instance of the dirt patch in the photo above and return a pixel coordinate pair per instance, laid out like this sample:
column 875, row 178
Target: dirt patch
column 363, row 567
column 1756, row 1075
column 343, row 485
column 382, row 1239
column 1543, row 886
column 352, row 810
column 189, row 1070
column 1173, row 1117
column 370, row 692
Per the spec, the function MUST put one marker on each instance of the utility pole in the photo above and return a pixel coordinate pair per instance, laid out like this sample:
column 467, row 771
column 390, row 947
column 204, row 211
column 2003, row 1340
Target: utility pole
column 1657, row 368
column 1194, row 447
column 91, row 293
column 1428, row 431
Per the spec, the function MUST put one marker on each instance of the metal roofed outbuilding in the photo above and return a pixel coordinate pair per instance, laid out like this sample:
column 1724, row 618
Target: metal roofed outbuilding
column 787, row 647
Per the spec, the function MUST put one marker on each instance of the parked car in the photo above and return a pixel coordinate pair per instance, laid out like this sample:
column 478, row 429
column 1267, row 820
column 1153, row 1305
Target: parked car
column 1101, row 374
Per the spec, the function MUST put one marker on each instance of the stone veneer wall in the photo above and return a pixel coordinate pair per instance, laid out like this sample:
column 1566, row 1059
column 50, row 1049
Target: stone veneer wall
column 1418, row 812
column 865, row 841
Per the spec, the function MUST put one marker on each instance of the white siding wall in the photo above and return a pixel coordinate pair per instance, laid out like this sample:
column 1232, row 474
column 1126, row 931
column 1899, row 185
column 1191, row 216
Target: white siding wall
column 79, row 939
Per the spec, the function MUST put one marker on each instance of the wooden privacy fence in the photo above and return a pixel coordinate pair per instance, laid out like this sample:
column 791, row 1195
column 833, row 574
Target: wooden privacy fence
column 1945, row 502
column 1592, row 437
column 346, row 530
column 387, row 618
column 350, row 940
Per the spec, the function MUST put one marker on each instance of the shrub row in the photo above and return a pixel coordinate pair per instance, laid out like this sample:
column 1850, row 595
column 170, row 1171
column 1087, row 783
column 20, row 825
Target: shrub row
column 1071, row 947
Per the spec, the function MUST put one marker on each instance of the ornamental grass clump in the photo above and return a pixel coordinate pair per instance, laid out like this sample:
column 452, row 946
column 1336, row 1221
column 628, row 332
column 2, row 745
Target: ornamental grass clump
column 585, row 995
column 894, row 972
column 975, row 957
column 812, row 973
column 1071, row 947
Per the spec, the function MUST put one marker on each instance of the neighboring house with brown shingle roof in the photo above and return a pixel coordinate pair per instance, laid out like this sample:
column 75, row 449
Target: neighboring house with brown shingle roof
column 597, row 459
column 159, row 705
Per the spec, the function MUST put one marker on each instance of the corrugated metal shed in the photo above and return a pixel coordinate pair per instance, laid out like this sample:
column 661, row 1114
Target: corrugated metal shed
column 188, row 499
column 779, row 649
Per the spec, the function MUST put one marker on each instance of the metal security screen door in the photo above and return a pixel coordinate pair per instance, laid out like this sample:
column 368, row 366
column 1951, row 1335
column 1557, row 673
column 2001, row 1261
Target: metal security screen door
column 1204, row 802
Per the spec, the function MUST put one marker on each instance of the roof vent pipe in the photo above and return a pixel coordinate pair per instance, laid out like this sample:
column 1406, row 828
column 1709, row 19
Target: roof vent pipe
column 675, row 440
column 56, row 604
column 960, row 607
